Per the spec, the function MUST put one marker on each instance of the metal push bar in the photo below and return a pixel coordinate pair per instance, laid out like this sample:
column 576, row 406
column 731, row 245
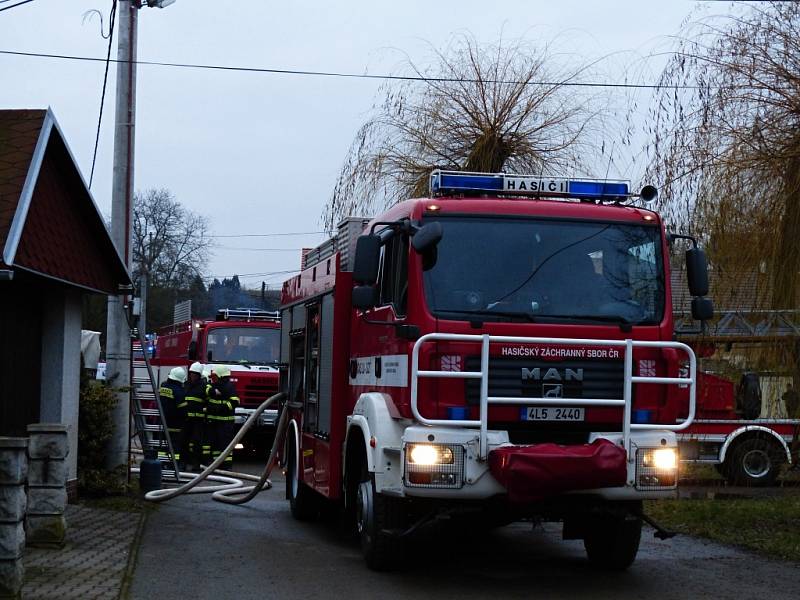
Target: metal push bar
column 626, row 401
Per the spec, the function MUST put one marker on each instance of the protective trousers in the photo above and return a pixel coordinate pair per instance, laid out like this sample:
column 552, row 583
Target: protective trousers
column 193, row 442
column 222, row 433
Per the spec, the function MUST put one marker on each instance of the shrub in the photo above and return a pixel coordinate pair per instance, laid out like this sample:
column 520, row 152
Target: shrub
column 95, row 429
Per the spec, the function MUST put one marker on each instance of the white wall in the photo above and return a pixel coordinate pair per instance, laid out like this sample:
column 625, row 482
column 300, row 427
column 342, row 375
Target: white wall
column 61, row 349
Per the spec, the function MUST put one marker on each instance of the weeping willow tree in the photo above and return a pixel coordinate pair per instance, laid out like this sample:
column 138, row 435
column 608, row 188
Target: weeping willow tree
column 475, row 108
column 726, row 144
column 726, row 151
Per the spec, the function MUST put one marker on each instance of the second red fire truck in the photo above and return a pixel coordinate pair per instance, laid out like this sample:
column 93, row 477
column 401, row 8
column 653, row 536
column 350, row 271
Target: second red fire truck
column 245, row 340
column 503, row 349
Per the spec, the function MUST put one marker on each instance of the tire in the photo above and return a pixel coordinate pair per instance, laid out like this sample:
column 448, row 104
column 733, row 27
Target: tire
column 612, row 543
column 754, row 462
column 379, row 519
column 302, row 499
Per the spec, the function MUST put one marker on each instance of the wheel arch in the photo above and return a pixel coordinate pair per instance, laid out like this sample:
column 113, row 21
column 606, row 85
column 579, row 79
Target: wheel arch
column 358, row 432
column 293, row 431
column 750, row 431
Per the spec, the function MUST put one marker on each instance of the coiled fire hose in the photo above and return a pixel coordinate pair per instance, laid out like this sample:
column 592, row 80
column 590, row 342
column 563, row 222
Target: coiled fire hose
column 231, row 482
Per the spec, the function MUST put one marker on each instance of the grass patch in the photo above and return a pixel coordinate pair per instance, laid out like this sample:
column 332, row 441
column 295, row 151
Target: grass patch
column 131, row 501
column 770, row 526
column 709, row 473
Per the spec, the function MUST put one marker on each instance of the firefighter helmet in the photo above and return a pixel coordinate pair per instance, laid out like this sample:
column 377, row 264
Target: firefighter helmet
column 222, row 371
column 178, row 374
column 196, row 368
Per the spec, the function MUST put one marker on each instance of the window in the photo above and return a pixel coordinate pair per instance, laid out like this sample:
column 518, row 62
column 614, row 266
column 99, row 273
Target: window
column 394, row 274
column 547, row 270
column 243, row 345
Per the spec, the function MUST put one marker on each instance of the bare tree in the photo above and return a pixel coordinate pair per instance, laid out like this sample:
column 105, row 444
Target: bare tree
column 726, row 146
column 170, row 242
column 478, row 108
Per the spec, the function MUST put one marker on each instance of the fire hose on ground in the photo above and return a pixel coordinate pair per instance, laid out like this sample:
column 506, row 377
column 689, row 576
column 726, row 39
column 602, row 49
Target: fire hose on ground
column 230, row 483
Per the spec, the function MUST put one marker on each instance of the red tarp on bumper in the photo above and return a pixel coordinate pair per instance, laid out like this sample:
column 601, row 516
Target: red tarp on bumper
column 534, row 472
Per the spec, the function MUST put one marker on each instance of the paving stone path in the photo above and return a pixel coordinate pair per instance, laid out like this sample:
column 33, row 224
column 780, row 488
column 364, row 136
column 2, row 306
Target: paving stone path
column 93, row 562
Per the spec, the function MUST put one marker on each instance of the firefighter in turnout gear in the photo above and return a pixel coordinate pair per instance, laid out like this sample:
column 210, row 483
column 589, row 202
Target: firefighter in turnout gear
column 206, row 446
column 222, row 403
column 172, row 397
column 194, row 430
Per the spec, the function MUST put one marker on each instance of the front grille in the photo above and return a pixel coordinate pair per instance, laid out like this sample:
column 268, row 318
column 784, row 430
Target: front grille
column 576, row 378
column 253, row 394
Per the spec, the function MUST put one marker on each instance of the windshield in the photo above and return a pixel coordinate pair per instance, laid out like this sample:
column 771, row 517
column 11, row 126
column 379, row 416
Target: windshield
column 546, row 270
column 243, row 345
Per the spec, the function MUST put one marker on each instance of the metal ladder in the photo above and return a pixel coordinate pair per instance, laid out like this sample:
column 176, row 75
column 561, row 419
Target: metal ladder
column 150, row 425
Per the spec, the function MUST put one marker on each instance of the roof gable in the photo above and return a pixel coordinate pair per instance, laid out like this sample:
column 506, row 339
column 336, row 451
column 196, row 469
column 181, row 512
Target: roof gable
column 56, row 230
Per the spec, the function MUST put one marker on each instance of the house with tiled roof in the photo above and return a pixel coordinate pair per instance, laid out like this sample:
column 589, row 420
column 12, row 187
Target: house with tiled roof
column 54, row 249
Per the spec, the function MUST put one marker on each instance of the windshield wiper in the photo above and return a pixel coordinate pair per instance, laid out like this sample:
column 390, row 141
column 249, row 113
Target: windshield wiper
column 489, row 313
column 624, row 323
column 244, row 363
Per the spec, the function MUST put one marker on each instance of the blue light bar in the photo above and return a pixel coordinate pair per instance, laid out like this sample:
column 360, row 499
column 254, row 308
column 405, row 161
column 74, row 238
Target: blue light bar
column 454, row 182
column 466, row 182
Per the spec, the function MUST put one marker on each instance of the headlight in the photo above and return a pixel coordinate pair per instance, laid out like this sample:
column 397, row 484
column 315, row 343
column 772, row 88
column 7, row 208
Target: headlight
column 656, row 468
column 429, row 454
column 434, row 465
column 665, row 458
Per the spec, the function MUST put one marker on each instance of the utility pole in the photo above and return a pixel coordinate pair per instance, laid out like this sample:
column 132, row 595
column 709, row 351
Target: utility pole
column 118, row 338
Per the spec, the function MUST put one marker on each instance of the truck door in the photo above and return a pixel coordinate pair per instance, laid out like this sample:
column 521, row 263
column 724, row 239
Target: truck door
column 311, row 401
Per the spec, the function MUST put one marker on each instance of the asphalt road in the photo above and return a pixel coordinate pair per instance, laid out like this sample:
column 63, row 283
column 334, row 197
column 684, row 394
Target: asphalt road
column 193, row 547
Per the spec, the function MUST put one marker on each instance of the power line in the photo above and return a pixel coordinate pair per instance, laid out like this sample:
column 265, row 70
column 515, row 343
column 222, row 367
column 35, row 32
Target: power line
column 246, row 235
column 346, row 75
column 103, row 93
column 250, row 275
column 259, row 249
column 15, row 5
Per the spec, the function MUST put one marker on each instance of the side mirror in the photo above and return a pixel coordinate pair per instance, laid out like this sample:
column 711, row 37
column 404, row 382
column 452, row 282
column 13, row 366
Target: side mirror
column 192, row 352
column 365, row 297
column 367, row 259
column 648, row 193
column 702, row 309
column 427, row 237
column 697, row 272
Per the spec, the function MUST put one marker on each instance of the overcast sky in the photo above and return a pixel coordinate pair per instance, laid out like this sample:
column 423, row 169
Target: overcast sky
column 259, row 153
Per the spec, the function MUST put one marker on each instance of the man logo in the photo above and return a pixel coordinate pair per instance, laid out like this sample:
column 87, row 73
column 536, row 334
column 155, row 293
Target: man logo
column 552, row 390
column 552, row 374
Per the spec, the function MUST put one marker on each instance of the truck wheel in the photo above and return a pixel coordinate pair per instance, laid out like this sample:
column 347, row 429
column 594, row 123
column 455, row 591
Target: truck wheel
column 755, row 462
column 612, row 543
column 302, row 501
column 379, row 519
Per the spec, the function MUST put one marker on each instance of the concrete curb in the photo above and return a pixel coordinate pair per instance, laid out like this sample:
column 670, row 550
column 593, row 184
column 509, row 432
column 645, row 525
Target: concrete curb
column 133, row 556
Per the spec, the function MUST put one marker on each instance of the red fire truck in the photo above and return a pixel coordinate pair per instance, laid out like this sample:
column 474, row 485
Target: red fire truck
column 247, row 341
column 500, row 350
column 731, row 434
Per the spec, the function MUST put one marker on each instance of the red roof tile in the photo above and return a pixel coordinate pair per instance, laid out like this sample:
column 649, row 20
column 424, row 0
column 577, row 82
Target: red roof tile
column 19, row 132
column 63, row 236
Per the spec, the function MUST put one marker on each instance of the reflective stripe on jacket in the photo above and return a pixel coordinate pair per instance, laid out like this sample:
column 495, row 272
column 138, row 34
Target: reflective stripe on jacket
column 222, row 400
